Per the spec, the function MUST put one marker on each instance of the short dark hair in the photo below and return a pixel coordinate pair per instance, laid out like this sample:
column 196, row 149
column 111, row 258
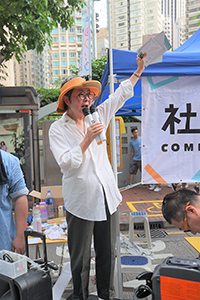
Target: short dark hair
column 174, row 204
column 69, row 93
column 133, row 129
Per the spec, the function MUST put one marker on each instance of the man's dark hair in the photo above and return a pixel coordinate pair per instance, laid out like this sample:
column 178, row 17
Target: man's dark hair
column 133, row 129
column 174, row 204
column 68, row 94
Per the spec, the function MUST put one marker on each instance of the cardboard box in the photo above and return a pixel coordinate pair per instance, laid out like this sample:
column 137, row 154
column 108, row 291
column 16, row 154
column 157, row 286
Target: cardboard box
column 56, row 191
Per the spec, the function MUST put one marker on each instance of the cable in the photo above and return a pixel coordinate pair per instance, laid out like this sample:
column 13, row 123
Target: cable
column 142, row 292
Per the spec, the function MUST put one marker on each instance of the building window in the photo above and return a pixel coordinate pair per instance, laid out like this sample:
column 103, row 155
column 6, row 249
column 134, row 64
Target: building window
column 79, row 21
column 121, row 38
column 55, row 63
column 62, row 30
column 72, row 54
column 63, row 38
column 121, row 17
column 64, row 71
column 73, row 63
column 150, row 11
column 79, row 30
column 55, row 39
column 55, row 55
column 56, row 72
column 120, row 31
column 79, row 39
column 72, row 29
column 63, row 54
column 71, row 38
column 55, row 31
column 63, row 63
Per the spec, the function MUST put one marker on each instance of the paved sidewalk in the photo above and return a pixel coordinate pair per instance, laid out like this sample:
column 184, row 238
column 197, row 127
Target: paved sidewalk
column 140, row 198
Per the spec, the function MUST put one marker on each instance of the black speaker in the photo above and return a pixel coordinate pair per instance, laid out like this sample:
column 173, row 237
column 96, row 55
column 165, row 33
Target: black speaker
column 177, row 278
column 34, row 285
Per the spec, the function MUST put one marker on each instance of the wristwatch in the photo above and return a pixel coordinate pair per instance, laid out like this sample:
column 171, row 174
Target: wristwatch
column 137, row 75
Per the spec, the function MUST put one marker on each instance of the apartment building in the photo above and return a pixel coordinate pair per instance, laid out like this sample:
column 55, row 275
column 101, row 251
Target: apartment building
column 67, row 44
column 174, row 16
column 34, row 69
column 132, row 19
column 192, row 10
column 102, row 42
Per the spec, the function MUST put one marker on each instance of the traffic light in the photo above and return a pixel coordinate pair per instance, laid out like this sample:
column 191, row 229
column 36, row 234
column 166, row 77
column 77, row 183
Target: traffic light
column 97, row 20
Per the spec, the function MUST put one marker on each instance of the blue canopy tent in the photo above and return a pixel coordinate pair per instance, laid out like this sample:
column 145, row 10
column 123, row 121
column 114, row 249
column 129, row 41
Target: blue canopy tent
column 184, row 61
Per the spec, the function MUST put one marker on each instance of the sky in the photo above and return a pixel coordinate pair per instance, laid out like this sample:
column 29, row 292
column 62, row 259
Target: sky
column 100, row 8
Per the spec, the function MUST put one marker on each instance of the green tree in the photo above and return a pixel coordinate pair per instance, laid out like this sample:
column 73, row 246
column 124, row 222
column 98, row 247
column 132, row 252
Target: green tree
column 98, row 66
column 48, row 96
column 27, row 24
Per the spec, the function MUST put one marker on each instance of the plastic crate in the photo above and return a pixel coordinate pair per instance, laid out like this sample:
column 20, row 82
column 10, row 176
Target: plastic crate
column 13, row 269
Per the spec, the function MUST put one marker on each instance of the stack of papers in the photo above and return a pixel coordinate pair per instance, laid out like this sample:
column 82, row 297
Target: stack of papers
column 154, row 47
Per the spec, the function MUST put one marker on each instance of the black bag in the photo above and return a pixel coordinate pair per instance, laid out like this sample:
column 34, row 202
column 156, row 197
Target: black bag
column 34, row 285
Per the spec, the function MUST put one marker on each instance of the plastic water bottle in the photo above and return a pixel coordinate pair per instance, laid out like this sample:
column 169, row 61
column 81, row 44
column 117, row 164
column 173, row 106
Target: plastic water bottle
column 36, row 218
column 49, row 200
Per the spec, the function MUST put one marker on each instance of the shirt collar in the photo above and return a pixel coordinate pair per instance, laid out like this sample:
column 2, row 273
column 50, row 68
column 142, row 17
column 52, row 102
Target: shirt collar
column 66, row 119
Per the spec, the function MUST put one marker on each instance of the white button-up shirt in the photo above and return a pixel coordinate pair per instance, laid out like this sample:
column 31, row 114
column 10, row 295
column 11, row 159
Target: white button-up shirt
column 85, row 174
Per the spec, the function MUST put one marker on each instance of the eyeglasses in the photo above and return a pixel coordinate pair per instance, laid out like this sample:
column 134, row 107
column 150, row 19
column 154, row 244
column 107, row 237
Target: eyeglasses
column 83, row 95
column 185, row 218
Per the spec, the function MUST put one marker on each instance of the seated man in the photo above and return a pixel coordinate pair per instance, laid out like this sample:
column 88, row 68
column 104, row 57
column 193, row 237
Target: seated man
column 182, row 209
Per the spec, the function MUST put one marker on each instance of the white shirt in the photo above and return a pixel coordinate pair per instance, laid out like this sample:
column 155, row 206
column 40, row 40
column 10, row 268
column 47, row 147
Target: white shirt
column 85, row 174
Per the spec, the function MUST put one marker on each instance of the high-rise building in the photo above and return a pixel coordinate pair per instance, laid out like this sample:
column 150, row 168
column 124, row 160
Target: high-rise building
column 67, row 44
column 34, row 69
column 192, row 10
column 178, row 33
column 173, row 10
column 102, row 42
column 131, row 19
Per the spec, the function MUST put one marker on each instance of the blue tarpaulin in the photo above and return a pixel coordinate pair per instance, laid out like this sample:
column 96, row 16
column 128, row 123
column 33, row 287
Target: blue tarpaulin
column 184, row 61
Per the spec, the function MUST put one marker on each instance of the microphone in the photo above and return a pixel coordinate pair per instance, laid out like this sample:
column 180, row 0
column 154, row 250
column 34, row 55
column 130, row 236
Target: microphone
column 90, row 120
column 96, row 118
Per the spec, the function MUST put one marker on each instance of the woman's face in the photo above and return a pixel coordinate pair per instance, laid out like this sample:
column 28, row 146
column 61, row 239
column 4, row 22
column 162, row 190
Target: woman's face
column 78, row 100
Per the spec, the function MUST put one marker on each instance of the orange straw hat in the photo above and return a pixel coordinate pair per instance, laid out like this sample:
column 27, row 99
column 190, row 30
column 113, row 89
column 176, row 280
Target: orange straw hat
column 77, row 82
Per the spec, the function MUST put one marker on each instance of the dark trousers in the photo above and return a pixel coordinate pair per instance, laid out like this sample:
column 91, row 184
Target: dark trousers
column 79, row 242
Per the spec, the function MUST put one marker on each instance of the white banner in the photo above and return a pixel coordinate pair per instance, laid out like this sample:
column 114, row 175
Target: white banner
column 170, row 129
column 85, row 57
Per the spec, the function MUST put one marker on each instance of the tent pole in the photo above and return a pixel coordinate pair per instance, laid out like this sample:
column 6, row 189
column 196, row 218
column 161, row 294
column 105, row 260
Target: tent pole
column 114, row 157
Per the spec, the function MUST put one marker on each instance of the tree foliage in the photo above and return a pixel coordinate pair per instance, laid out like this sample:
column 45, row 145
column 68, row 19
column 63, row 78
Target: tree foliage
column 98, row 66
column 27, row 24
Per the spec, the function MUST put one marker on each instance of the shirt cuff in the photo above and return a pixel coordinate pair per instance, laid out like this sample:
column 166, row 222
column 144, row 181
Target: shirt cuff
column 22, row 192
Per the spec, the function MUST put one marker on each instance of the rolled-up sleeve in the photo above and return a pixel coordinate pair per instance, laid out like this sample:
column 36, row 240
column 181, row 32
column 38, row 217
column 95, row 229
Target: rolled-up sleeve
column 17, row 185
